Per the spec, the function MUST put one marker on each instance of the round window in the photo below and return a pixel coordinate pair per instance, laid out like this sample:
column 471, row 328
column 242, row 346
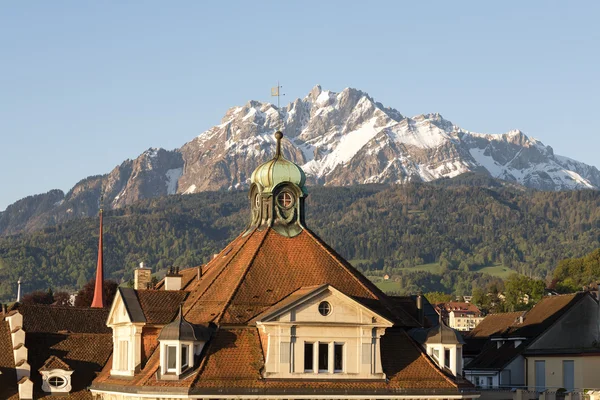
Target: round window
column 56, row 381
column 257, row 201
column 285, row 200
column 324, row 308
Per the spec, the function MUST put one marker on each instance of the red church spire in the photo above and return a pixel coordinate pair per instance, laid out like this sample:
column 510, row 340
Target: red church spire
column 98, row 301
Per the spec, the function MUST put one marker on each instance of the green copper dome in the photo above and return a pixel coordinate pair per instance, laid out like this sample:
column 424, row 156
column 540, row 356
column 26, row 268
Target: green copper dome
column 278, row 170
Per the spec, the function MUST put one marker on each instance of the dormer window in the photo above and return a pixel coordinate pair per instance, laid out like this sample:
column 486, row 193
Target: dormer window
column 56, row 376
column 179, row 342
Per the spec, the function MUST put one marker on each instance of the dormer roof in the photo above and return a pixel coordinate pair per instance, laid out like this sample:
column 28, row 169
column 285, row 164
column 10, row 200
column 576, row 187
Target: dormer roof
column 182, row 330
column 54, row 362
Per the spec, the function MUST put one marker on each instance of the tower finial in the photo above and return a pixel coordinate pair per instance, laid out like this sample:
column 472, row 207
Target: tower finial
column 98, row 301
column 278, row 137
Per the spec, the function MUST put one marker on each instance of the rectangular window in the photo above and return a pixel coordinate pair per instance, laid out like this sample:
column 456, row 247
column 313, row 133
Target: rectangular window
column 171, row 358
column 569, row 374
column 184, row 355
column 436, row 354
column 323, row 357
column 308, row 356
column 447, row 358
column 540, row 375
column 338, row 357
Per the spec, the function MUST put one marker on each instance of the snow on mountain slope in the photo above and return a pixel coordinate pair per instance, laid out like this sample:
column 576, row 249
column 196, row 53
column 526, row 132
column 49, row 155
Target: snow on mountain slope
column 343, row 138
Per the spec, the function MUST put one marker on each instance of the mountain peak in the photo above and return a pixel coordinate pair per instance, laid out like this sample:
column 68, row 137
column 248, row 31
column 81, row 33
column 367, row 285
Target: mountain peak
column 338, row 139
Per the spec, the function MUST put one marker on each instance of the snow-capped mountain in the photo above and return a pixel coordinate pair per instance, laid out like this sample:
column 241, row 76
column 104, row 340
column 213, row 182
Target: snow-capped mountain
column 343, row 138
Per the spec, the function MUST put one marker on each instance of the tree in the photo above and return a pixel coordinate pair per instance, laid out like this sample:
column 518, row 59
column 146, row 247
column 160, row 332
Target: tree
column 86, row 294
column 438, row 297
column 39, row 297
column 517, row 286
column 62, row 299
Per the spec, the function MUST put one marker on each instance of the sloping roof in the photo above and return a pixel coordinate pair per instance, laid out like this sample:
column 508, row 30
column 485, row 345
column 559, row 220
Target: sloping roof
column 152, row 306
column 494, row 324
column 261, row 268
column 8, row 376
column 182, row 330
column 495, row 358
column 535, row 321
column 48, row 318
column 85, row 353
column 545, row 313
column 132, row 304
column 234, row 359
column 54, row 362
column 160, row 306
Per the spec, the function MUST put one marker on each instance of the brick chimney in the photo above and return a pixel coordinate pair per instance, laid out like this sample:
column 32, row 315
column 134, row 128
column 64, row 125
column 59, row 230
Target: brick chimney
column 173, row 279
column 142, row 277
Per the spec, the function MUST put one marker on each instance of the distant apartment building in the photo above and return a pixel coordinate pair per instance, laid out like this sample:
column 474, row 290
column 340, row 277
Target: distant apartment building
column 459, row 315
column 550, row 347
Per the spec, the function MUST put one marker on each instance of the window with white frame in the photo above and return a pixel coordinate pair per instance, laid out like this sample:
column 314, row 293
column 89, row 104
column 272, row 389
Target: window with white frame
column 323, row 357
column 184, row 355
column 309, row 357
column 338, row 357
column 330, row 357
column 171, row 358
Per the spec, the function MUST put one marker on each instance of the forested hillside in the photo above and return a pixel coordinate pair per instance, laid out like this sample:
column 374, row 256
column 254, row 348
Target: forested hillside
column 458, row 225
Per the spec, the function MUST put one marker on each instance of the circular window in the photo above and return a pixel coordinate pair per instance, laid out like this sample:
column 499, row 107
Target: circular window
column 285, row 200
column 324, row 308
column 257, row 201
column 56, row 381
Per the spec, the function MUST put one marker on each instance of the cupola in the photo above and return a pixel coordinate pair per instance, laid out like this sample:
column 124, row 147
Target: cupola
column 278, row 170
column 277, row 194
column 180, row 342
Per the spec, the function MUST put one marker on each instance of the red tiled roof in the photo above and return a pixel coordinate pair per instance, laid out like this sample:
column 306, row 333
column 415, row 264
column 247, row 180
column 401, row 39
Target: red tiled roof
column 48, row 318
column 160, row 306
column 260, row 269
column 234, row 359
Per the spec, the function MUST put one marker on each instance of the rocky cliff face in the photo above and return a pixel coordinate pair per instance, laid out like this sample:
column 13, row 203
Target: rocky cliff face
column 341, row 138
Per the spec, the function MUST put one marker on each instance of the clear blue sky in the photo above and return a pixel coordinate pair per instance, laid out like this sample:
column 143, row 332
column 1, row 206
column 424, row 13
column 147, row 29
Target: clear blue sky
column 86, row 84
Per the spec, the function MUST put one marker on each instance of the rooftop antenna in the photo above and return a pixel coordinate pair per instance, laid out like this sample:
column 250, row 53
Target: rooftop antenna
column 276, row 91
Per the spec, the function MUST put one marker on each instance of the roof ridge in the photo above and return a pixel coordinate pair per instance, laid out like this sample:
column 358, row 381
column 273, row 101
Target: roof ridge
column 351, row 271
column 243, row 275
column 241, row 236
